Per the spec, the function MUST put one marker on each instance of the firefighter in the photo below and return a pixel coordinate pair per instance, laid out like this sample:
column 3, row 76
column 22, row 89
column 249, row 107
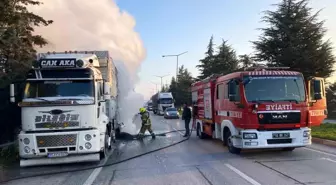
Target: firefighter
column 146, row 123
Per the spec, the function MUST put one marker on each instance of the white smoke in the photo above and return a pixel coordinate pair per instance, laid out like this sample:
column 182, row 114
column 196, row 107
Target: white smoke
column 129, row 101
column 97, row 25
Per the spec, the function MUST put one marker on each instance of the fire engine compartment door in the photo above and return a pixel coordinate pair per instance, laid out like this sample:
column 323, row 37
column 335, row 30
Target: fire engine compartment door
column 207, row 104
column 318, row 101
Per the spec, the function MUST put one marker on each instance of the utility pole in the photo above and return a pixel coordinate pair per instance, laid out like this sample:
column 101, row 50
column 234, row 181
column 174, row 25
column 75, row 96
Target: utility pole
column 161, row 79
column 177, row 60
column 156, row 89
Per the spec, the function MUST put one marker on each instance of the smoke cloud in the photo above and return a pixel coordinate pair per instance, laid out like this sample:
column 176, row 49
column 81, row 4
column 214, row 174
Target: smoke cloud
column 97, row 25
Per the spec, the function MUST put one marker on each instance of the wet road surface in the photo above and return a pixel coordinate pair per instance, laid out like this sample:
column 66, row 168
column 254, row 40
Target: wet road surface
column 195, row 162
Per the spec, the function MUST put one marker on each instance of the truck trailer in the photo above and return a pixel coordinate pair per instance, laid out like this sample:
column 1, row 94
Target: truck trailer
column 259, row 108
column 69, row 108
column 161, row 101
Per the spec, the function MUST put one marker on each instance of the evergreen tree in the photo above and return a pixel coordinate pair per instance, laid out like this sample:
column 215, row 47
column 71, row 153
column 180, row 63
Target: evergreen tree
column 206, row 63
column 17, row 40
column 181, row 89
column 246, row 61
column 294, row 39
column 225, row 61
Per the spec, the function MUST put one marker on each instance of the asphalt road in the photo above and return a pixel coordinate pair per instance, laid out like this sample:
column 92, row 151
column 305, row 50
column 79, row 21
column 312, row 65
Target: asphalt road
column 195, row 162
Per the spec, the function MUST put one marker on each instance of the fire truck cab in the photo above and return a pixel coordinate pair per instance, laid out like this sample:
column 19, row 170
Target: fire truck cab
column 259, row 108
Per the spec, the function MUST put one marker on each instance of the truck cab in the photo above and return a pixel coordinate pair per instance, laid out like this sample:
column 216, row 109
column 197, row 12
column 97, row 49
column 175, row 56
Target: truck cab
column 64, row 111
column 259, row 109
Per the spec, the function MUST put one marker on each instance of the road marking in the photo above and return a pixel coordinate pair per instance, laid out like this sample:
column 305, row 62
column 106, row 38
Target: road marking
column 243, row 175
column 178, row 131
column 95, row 172
column 333, row 155
column 93, row 176
column 328, row 160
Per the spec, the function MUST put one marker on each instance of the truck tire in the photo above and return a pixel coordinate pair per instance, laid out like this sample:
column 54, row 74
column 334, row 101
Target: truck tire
column 200, row 134
column 228, row 141
column 104, row 152
column 117, row 133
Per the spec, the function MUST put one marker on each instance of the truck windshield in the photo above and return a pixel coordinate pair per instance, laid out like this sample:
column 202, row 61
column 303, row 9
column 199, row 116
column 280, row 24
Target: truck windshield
column 166, row 101
column 274, row 88
column 36, row 89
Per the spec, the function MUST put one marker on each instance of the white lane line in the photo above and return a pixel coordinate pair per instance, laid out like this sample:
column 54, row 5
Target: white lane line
column 93, row 176
column 95, row 172
column 243, row 175
column 318, row 151
column 178, row 131
column 328, row 160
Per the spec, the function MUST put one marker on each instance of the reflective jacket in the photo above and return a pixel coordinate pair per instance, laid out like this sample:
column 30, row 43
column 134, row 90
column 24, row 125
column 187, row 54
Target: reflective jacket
column 145, row 118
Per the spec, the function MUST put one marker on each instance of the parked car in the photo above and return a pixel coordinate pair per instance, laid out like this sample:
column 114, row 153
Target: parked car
column 171, row 113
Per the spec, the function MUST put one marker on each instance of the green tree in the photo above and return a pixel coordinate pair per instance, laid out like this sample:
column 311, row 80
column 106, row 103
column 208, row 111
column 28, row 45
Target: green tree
column 246, row 61
column 294, row 39
column 173, row 87
column 207, row 62
column 164, row 88
column 181, row 88
column 225, row 60
column 17, row 40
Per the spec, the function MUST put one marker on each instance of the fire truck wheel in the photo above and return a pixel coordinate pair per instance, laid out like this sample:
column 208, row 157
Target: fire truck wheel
column 199, row 133
column 228, row 141
column 104, row 152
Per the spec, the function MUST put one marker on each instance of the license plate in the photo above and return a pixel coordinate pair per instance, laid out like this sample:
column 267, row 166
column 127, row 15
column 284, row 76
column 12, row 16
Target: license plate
column 280, row 135
column 57, row 154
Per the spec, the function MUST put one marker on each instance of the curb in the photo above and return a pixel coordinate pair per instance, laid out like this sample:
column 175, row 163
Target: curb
column 324, row 142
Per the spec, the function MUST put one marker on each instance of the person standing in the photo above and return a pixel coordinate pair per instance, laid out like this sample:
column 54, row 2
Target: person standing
column 186, row 116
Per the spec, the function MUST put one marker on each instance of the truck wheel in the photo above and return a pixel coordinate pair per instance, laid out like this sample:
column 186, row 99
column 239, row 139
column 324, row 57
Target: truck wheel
column 289, row 149
column 200, row 134
column 104, row 152
column 117, row 133
column 228, row 141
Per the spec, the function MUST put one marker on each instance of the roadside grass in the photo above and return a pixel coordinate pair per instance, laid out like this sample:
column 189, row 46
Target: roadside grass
column 8, row 155
column 325, row 131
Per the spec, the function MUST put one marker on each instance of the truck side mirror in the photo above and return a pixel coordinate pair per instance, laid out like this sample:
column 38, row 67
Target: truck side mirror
column 12, row 93
column 317, row 89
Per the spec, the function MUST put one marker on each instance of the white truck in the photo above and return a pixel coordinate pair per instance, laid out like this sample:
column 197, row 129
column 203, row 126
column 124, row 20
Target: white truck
column 69, row 108
column 161, row 101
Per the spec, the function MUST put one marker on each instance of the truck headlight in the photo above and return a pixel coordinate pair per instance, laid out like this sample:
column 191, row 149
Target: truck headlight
column 88, row 145
column 88, row 137
column 27, row 149
column 306, row 133
column 250, row 136
column 26, row 141
column 167, row 113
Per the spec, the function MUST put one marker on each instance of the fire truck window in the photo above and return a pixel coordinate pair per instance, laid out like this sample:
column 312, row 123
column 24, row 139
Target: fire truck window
column 276, row 89
column 226, row 91
column 311, row 93
column 220, row 92
column 234, row 91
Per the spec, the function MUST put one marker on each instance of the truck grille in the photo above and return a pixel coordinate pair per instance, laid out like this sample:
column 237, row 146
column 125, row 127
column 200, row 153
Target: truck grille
column 56, row 140
column 57, row 124
column 279, row 118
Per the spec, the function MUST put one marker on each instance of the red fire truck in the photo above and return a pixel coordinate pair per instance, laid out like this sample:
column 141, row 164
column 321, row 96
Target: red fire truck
column 259, row 108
